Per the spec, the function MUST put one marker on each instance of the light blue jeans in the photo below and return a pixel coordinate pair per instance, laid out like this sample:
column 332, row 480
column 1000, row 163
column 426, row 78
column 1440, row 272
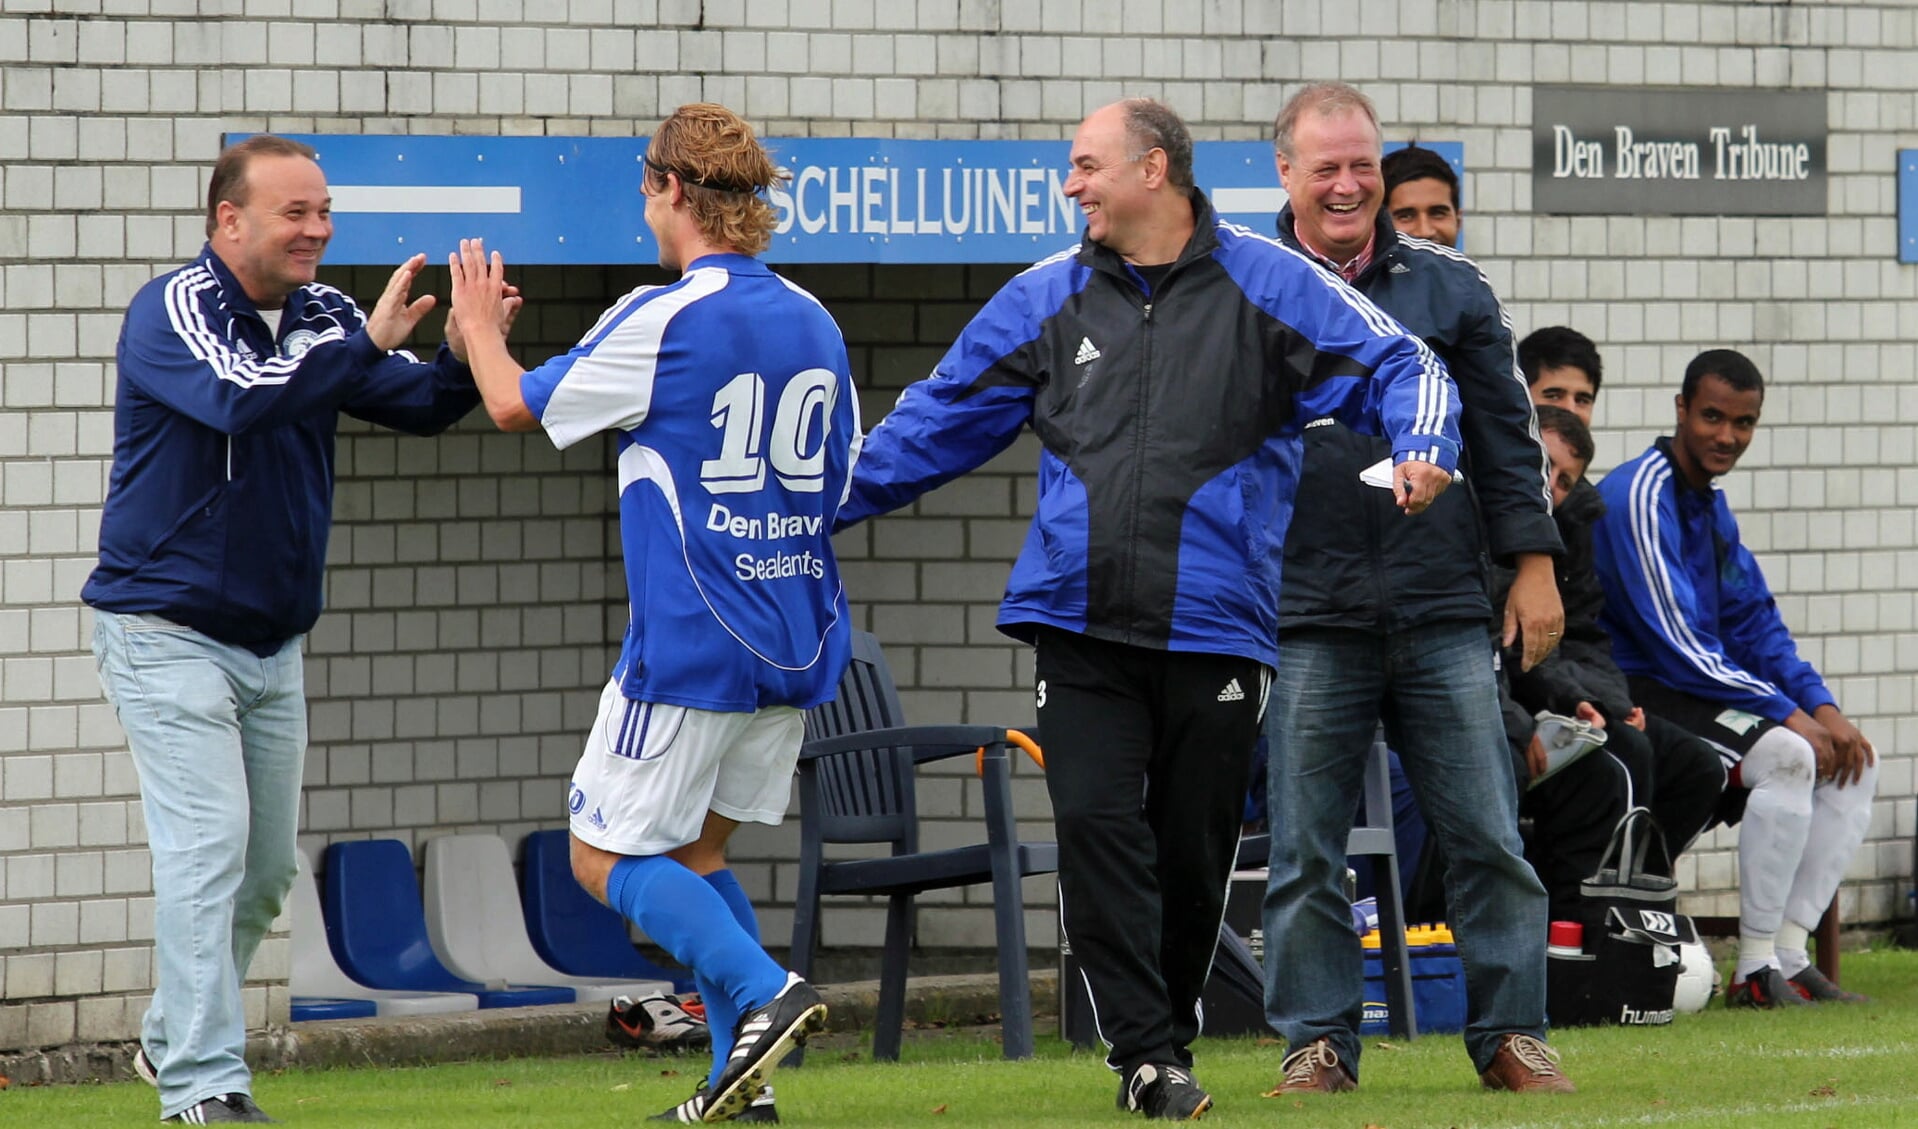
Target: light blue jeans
column 218, row 735
column 1434, row 688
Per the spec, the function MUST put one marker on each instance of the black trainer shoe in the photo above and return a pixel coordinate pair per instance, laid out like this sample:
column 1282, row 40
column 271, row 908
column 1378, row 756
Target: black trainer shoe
column 1818, row 988
column 1163, row 1093
column 1767, row 988
column 764, row 1036
column 144, row 1067
column 692, row 1111
column 223, row 1107
column 655, row 1023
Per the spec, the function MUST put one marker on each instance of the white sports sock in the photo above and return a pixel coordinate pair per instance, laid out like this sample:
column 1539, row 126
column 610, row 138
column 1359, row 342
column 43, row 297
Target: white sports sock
column 1791, row 962
column 1790, row 945
column 1754, row 953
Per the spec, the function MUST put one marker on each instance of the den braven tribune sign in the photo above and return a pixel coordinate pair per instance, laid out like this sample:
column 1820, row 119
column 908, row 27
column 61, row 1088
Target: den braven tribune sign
column 1677, row 152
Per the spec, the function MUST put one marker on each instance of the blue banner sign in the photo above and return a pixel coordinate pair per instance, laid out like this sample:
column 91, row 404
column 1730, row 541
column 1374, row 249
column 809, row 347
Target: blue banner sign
column 1908, row 205
column 575, row 200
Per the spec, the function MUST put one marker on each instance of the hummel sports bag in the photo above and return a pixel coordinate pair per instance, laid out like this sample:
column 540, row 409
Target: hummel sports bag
column 1628, row 970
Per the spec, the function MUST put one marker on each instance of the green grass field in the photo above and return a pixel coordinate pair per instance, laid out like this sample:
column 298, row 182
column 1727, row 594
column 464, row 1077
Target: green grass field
column 1831, row 1066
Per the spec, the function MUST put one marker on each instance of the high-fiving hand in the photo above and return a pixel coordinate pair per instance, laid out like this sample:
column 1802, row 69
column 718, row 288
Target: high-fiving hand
column 472, row 312
column 394, row 316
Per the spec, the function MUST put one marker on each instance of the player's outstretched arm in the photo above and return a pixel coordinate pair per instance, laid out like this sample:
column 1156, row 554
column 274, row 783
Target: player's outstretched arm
column 482, row 306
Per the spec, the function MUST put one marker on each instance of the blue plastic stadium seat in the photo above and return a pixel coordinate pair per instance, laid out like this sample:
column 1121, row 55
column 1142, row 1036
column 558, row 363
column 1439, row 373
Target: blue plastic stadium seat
column 326, row 1007
column 316, row 975
column 569, row 929
column 376, row 924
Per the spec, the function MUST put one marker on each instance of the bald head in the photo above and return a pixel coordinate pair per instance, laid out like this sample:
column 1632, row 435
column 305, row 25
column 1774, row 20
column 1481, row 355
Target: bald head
column 1132, row 178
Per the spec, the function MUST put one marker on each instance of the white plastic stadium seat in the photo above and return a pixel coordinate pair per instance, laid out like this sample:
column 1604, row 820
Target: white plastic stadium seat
column 316, row 973
column 474, row 919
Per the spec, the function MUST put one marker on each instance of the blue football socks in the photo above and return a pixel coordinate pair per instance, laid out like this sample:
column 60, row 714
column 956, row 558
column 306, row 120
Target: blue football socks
column 690, row 919
column 721, row 1014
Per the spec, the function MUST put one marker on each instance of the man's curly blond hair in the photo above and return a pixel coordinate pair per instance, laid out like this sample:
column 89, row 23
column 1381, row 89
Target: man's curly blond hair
column 724, row 169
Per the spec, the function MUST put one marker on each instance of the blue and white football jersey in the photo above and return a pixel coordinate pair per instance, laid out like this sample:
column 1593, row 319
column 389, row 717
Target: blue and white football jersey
column 731, row 398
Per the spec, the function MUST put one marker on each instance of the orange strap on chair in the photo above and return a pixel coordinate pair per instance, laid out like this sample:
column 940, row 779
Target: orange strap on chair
column 1019, row 740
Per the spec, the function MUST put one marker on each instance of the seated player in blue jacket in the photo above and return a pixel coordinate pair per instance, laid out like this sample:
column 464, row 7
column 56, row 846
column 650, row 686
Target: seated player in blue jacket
column 1696, row 631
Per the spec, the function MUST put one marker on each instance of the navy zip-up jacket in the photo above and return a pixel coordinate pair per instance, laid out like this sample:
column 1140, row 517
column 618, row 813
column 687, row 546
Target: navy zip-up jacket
column 1355, row 562
column 221, row 498
column 1170, row 428
column 1685, row 602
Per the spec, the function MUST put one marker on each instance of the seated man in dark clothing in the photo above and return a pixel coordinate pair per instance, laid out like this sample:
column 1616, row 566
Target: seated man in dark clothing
column 1680, row 777
column 1676, row 775
column 1573, row 813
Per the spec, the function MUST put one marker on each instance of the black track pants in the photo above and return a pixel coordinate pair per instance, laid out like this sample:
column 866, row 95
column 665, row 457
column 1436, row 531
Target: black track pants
column 1147, row 754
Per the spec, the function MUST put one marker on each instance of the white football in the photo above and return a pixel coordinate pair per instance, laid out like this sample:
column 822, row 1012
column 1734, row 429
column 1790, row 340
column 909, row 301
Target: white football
column 1697, row 978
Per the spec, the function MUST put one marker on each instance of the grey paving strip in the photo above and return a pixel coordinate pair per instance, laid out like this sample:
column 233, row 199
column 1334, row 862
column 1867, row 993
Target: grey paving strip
column 932, row 1002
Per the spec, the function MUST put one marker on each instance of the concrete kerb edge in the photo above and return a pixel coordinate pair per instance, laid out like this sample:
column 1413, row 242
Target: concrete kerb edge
column 560, row 1029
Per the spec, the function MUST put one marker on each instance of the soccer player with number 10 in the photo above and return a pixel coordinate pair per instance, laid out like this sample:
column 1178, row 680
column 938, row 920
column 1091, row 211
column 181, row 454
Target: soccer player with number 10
column 730, row 398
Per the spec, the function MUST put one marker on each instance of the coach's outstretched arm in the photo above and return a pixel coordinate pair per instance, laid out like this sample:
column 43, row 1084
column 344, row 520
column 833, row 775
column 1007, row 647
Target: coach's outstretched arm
column 1361, row 367
column 970, row 409
column 172, row 354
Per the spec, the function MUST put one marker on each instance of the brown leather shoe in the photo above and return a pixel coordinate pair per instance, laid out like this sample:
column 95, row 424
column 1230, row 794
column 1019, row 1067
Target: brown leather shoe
column 1314, row 1069
column 1524, row 1064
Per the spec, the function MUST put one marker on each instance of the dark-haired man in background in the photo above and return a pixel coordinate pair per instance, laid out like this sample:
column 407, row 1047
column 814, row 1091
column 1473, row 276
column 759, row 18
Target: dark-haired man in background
column 1563, row 370
column 1647, row 761
column 1422, row 195
column 1696, row 630
column 233, row 372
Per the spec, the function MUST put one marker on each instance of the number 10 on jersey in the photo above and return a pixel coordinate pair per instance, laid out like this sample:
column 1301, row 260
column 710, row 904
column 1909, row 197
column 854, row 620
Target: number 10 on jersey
column 795, row 444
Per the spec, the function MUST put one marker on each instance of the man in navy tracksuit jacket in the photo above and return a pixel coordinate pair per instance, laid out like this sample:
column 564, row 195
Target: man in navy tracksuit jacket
column 232, row 373
column 1696, row 631
column 1165, row 365
column 1387, row 621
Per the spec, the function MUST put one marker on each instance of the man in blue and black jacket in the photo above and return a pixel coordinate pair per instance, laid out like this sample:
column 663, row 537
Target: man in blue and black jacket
column 1166, row 365
column 1386, row 621
column 233, row 371
column 1696, row 631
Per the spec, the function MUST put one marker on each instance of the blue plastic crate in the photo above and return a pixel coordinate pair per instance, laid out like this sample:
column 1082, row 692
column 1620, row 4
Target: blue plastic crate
column 1438, row 991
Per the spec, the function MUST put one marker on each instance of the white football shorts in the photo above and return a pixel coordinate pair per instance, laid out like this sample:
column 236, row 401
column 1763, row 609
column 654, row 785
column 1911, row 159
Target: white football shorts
column 652, row 771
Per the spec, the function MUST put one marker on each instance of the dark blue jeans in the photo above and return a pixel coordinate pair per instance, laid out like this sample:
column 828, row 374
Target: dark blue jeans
column 1434, row 689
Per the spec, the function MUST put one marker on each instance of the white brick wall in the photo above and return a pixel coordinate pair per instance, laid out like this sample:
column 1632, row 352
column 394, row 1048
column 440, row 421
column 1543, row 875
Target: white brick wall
column 474, row 590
